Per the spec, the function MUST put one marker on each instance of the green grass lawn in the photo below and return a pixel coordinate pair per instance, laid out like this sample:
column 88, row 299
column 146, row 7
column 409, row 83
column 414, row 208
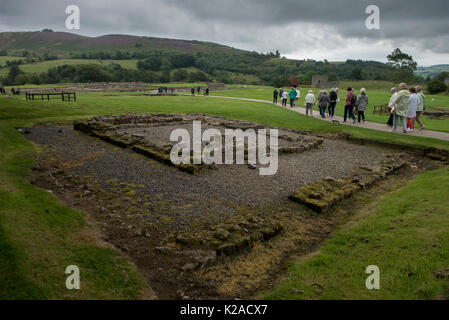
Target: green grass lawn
column 38, row 234
column 405, row 235
column 376, row 97
column 39, row 237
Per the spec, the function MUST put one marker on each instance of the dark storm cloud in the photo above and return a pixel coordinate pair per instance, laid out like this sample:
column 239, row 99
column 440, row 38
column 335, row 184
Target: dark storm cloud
column 398, row 17
column 262, row 25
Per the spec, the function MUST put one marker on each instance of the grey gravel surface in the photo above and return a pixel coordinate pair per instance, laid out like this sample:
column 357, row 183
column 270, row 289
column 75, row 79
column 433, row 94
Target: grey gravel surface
column 212, row 196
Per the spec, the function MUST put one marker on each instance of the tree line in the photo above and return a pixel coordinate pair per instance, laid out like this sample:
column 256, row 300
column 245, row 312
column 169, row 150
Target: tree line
column 271, row 69
column 85, row 73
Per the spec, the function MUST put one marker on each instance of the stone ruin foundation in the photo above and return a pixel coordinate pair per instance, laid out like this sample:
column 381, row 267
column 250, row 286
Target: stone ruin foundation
column 149, row 134
column 181, row 220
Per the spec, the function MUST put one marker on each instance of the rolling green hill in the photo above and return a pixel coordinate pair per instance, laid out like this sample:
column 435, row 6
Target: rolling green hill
column 64, row 43
column 48, row 57
column 432, row 71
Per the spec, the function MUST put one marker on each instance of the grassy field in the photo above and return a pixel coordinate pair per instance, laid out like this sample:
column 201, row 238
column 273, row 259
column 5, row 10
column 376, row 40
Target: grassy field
column 404, row 234
column 39, row 67
column 376, row 97
column 39, row 237
column 3, row 59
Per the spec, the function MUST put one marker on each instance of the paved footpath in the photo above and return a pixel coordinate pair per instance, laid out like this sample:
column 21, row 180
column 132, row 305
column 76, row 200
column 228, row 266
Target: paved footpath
column 369, row 125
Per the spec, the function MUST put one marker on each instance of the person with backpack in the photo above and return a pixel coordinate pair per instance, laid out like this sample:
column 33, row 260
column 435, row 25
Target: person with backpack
column 361, row 104
column 351, row 100
column 275, row 96
column 192, row 91
column 333, row 96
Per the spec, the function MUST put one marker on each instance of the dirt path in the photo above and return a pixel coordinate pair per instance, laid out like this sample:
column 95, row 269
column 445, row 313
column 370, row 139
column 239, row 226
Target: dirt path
column 369, row 125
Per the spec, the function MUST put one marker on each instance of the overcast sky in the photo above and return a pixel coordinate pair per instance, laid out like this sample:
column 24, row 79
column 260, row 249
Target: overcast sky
column 318, row 29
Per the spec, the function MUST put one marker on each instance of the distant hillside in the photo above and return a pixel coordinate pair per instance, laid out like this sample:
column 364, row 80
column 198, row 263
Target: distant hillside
column 433, row 71
column 63, row 43
column 52, row 57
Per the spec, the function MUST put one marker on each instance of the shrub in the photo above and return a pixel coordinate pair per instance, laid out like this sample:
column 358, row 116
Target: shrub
column 152, row 64
column 91, row 73
column 198, row 76
column 436, row 86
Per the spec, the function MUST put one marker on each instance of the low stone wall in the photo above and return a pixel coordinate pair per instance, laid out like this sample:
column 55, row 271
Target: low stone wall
column 120, row 131
column 233, row 235
column 104, row 130
column 436, row 115
column 429, row 152
column 323, row 194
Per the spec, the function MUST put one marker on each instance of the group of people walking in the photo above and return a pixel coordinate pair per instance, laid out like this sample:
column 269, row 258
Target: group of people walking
column 13, row 91
column 294, row 94
column 327, row 102
column 198, row 89
column 406, row 106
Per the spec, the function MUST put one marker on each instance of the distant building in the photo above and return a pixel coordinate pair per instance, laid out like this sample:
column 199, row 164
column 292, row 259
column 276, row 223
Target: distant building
column 322, row 82
column 446, row 82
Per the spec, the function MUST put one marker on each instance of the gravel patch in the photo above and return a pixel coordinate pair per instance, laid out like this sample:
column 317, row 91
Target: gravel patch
column 208, row 197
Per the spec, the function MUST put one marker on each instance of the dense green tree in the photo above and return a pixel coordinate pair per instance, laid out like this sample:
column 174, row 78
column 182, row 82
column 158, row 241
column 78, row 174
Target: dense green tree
column 92, row 73
column 198, row 76
column 357, row 74
column 333, row 76
column 184, row 60
column 151, row 63
column 437, row 85
column 13, row 73
column 403, row 64
column 180, row 75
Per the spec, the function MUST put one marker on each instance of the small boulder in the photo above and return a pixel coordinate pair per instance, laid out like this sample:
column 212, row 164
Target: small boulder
column 188, row 267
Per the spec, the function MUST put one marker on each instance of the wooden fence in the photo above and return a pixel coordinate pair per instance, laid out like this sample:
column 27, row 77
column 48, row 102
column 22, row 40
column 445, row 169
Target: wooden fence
column 64, row 96
column 381, row 109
